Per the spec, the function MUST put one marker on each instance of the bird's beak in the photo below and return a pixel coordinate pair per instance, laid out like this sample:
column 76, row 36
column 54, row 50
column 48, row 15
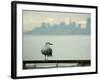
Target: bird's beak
column 51, row 44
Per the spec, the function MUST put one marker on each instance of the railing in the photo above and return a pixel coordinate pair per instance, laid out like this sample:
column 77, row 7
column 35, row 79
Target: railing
column 57, row 62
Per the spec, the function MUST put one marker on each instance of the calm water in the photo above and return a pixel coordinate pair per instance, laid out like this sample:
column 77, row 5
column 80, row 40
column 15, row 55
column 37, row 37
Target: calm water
column 64, row 48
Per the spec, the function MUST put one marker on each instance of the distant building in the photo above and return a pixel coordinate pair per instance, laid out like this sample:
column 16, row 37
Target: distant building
column 61, row 28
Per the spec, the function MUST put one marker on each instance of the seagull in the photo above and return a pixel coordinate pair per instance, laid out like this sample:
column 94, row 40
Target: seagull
column 46, row 50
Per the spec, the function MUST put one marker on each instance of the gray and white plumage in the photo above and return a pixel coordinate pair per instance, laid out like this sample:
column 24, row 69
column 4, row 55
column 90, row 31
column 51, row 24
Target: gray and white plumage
column 46, row 50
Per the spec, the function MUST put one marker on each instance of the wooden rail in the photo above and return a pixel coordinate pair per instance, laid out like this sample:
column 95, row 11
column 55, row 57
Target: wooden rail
column 80, row 62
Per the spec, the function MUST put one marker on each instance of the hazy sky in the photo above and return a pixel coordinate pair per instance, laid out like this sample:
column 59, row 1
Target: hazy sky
column 33, row 19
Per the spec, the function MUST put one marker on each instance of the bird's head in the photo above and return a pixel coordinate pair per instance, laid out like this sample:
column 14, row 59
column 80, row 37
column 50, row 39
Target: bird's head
column 48, row 43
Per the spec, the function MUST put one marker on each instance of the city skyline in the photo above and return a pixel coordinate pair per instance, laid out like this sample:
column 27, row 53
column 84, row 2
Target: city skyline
column 34, row 19
column 60, row 28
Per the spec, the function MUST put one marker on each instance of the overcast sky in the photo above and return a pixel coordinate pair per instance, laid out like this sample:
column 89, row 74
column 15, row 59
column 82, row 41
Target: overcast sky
column 33, row 19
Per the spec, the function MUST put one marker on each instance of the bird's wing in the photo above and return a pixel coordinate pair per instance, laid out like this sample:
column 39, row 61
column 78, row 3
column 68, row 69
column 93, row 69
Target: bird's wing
column 49, row 52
